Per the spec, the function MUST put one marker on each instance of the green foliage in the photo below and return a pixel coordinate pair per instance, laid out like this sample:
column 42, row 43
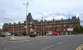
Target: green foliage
column 76, row 29
column 5, row 26
column 81, row 29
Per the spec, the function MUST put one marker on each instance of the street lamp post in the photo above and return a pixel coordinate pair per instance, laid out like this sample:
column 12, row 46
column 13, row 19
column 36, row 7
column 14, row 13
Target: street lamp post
column 27, row 24
column 26, row 15
column 42, row 26
column 13, row 27
column 53, row 25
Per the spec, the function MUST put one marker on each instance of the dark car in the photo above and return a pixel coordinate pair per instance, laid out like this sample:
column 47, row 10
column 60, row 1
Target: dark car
column 33, row 34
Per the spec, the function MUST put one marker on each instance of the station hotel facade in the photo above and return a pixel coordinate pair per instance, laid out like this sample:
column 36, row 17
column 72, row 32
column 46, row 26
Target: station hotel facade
column 41, row 27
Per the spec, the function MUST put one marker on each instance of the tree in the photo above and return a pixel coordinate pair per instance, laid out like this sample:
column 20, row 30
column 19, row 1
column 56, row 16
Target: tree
column 5, row 26
column 78, row 30
column 81, row 29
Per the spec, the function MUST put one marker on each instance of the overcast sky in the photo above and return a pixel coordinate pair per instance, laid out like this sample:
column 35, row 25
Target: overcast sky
column 15, row 10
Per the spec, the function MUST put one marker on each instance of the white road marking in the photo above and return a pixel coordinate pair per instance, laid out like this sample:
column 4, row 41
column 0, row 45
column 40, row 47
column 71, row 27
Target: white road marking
column 47, row 47
column 28, row 39
column 51, row 46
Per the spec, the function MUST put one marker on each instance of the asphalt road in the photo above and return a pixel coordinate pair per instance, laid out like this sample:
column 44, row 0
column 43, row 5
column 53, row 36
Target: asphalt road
column 42, row 43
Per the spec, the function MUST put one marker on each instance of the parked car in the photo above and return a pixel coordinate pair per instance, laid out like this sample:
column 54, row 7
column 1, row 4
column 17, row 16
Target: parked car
column 56, row 33
column 3, row 34
column 33, row 34
column 49, row 33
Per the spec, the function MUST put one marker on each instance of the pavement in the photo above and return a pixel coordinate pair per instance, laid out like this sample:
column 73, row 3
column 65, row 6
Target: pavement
column 68, row 42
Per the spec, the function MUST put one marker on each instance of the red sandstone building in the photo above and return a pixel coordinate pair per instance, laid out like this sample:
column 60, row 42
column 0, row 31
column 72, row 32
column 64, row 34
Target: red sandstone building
column 31, row 25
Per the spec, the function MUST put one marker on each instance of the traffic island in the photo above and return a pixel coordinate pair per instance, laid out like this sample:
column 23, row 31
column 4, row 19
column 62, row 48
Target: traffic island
column 80, row 47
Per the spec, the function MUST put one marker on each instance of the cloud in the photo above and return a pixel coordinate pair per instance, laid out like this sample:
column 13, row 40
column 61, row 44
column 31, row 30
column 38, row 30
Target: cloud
column 15, row 10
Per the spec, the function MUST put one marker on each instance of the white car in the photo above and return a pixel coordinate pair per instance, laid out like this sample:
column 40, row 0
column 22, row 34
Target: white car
column 3, row 34
column 49, row 33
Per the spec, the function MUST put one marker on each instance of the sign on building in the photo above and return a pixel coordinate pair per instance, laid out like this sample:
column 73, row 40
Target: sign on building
column 69, row 29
